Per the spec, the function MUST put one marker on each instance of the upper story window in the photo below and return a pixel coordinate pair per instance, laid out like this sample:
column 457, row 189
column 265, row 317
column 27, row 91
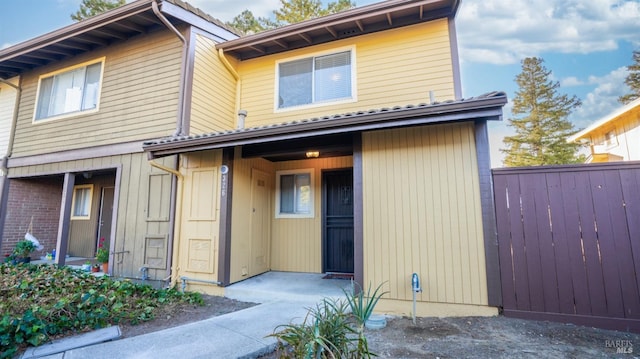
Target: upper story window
column 71, row 90
column 315, row 79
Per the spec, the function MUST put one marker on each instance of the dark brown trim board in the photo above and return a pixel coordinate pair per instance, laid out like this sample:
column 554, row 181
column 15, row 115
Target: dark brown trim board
column 4, row 195
column 358, row 212
column 65, row 218
column 489, row 228
column 226, row 199
column 75, row 155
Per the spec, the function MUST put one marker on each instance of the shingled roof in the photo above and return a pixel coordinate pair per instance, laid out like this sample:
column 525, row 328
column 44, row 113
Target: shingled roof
column 487, row 106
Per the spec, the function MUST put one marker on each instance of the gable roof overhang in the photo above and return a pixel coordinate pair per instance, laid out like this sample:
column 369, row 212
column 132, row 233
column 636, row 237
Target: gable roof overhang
column 380, row 16
column 113, row 26
column 484, row 107
column 610, row 118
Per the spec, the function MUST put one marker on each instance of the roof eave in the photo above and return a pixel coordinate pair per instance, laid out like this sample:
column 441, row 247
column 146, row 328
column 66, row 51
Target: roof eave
column 486, row 108
column 75, row 29
column 354, row 14
column 605, row 120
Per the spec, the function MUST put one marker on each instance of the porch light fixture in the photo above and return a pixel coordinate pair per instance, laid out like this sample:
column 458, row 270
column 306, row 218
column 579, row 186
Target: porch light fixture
column 313, row 154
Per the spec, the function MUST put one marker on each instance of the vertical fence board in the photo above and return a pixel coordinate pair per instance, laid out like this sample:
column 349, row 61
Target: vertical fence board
column 517, row 244
column 569, row 243
column 545, row 246
column 559, row 247
column 504, row 250
column 573, row 238
column 607, row 249
column 622, row 255
column 591, row 252
column 630, row 181
column 532, row 244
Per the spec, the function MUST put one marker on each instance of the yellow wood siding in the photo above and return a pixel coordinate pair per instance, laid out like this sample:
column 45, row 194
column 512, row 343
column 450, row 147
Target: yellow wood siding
column 8, row 97
column 138, row 99
column 214, row 91
column 297, row 242
column 139, row 194
column 395, row 67
column 422, row 213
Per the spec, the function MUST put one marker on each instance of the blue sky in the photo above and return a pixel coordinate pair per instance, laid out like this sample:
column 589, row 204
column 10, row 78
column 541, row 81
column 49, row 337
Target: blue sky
column 586, row 43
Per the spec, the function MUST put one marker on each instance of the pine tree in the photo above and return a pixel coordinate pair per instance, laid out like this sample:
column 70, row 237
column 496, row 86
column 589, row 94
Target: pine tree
column 540, row 120
column 248, row 24
column 290, row 12
column 632, row 80
column 90, row 8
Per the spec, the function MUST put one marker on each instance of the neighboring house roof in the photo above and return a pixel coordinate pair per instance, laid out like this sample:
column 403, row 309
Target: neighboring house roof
column 487, row 106
column 604, row 121
column 119, row 24
column 381, row 16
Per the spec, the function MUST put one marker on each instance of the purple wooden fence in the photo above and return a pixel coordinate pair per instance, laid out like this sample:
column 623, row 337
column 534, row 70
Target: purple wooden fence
column 569, row 243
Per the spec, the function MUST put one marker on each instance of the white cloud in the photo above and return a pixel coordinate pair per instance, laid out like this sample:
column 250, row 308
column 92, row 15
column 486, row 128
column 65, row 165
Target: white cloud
column 505, row 31
column 571, row 81
column 603, row 99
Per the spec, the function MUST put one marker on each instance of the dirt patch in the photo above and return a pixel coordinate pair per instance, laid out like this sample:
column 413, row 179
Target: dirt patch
column 178, row 314
column 494, row 337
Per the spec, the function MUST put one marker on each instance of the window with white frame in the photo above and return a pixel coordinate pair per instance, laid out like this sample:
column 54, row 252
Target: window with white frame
column 315, row 79
column 294, row 194
column 81, row 203
column 69, row 91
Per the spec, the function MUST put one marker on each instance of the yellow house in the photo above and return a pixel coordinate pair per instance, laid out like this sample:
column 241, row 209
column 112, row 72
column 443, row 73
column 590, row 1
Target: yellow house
column 76, row 105
column 615, row 136
column 340, row 144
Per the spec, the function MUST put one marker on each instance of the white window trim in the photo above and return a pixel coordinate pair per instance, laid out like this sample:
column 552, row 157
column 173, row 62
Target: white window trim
column 353, row 98
column 36, row 121
column 73, row 201
column 311, row 213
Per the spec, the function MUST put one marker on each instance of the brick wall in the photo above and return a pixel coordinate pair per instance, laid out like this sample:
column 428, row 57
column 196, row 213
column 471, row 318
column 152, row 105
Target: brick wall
column 38, row 199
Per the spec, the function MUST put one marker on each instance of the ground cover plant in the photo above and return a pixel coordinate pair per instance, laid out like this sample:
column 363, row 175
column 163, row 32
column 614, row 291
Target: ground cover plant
column 42, row 302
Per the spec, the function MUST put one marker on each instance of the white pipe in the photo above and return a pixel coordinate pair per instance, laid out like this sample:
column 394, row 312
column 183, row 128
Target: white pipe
column 185, row 279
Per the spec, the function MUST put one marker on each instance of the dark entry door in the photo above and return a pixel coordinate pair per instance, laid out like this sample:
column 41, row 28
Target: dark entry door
column 337, row 220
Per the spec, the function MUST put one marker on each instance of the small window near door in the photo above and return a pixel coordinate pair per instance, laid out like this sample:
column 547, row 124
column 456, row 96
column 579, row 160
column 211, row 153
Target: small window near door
column 81, row 203
column 294, row 194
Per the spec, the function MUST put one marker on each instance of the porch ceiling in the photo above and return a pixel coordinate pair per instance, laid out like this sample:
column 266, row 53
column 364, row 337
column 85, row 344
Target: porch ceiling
column 296, row 149
column 274, row 137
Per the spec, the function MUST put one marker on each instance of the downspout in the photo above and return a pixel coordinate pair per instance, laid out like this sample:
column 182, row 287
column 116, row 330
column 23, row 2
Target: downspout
column 236, row 76
column 183, row 71
column 14, row 120
column 175, row 206
column 4, row 171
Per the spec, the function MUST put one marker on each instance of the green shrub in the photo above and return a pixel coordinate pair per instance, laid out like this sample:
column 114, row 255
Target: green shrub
column 329, row 330
column 42, row 302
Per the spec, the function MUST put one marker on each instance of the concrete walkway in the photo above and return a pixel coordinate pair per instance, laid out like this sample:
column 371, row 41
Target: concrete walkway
column 285, row 298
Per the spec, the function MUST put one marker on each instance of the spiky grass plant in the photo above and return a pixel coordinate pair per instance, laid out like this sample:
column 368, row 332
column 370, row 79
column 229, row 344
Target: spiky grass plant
column 362, row 305
column 329, row 330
